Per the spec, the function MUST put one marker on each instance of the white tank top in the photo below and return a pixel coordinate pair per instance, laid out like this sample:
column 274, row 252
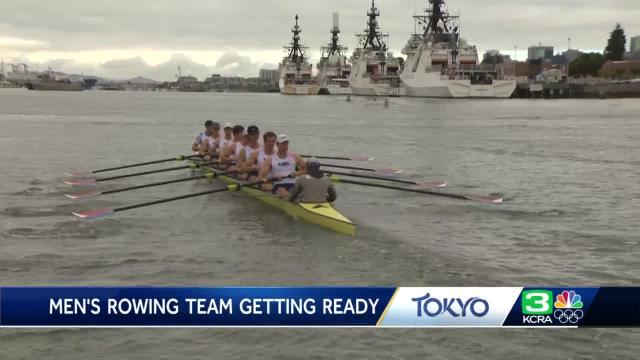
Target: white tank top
column 262, row 157
column 237, row 149
column 248, row 151
column 223, row 143
column 281, row 168
column 213, row 144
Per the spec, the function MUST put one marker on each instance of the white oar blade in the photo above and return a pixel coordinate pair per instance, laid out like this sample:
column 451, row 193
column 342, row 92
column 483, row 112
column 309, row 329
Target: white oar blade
column 431, row 184
column 83, row 195
column 93, row 214
column 80, row 182
column 362, row 158
column 388, row 171
column 485, row 199
column 78, row 174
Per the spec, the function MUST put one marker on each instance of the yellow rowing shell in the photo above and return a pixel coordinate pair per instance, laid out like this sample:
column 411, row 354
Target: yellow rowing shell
column 322, row 214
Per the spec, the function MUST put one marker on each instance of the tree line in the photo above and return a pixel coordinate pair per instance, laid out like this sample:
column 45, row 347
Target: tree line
column 591, row 63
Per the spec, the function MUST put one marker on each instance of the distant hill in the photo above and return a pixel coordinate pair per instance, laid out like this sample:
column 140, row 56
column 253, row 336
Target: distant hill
column 142, row 80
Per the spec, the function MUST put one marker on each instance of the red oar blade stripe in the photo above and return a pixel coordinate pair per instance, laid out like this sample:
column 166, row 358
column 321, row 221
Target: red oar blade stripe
column 83, row 195
column 93, row 214
column 80, row 182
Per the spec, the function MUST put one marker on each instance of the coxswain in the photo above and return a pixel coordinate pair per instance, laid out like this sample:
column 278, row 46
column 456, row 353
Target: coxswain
column 280, row 169
column 208, row 130
column 313, row 187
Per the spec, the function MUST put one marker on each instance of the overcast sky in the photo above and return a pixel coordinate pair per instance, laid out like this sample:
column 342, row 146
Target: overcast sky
column 122, row 39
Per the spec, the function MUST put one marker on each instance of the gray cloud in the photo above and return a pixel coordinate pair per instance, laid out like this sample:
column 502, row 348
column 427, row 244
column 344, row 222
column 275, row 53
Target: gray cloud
column 250, row 25
column 230, row 63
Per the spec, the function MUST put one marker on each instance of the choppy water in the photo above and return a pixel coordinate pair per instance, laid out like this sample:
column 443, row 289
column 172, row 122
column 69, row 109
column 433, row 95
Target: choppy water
column 569, row 170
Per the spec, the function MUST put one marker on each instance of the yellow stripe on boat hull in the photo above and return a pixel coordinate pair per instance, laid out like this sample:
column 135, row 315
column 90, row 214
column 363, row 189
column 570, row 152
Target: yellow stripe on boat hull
column 323, row 214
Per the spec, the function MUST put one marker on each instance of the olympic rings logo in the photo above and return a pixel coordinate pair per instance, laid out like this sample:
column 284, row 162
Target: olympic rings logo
column 568, row 316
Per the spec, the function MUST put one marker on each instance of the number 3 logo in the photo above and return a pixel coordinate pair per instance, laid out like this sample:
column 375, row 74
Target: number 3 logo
column 537, row 302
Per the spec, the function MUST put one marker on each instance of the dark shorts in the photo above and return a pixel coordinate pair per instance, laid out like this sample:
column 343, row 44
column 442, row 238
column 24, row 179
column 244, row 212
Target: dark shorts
column 252, row 173
column 287, row 187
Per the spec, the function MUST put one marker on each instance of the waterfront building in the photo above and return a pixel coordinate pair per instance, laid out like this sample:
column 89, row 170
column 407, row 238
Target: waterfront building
column 540, row 52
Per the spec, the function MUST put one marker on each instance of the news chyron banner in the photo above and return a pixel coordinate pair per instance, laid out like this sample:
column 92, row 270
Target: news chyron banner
column 319, row 307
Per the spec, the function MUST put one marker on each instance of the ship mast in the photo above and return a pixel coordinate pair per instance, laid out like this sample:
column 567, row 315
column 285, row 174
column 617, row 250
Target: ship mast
column 372, row 38
column 437, row 20
column 334, row 48
column 296, row 50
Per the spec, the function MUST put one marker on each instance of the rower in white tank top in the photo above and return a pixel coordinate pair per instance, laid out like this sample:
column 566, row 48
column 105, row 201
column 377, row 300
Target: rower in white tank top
column 282, row 165
column 282, row 168
column 238, row 147
column 249, row 151
column 262, row 157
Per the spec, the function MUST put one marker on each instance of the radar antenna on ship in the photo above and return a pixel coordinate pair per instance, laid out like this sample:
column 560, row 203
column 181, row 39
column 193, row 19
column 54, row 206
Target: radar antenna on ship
column 295, row 48
column 373, row 38
column 334, row 47
column 437, row 21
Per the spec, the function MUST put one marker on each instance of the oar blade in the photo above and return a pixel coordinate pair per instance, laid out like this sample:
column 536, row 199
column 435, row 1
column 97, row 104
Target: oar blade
column 80, row 182
column 485, row 199
column 388, row 171
column 78, row 174
column 93, row 214
column 83, row 195
column 431, row 184
column 362, row 158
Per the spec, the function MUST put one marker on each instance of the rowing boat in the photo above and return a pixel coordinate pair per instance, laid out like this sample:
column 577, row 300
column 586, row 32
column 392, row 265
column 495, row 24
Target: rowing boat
column 321, row 214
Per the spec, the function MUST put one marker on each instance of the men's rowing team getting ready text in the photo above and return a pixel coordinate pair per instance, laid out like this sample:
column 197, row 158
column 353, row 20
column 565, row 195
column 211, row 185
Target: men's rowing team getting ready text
column 212, row 306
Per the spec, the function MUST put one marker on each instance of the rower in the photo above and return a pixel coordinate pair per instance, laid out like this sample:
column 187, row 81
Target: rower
column 314, row 187
column 230, row 153
column 209, row 145
column 227, row 137
column 208, row 130
column 281, row 168
column 252, row 146
column 255, row 163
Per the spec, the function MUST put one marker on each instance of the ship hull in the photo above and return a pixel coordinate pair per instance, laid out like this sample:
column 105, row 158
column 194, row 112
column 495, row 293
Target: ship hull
column 298, row 89
column 436, row 88
column 338, row 90
column 377, row 90
column 55, row 86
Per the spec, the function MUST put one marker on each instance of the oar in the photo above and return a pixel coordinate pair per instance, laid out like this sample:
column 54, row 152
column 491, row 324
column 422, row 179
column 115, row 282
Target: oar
column 97, row 213
column 484, row 199
column 91, row 181
column 91, row 194
column 379, row 171
column 433, row 184
column 88, row 173
column 348, row 158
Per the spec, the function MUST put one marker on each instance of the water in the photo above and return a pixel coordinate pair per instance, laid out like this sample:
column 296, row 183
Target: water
column 568, row 169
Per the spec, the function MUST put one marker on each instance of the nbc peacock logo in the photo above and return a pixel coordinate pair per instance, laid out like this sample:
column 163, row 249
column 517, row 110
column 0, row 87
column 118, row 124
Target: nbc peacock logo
column 568, row 307
column 568, row 300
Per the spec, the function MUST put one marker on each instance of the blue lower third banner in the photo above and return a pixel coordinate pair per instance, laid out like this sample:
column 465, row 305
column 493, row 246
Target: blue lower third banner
column 318, row 306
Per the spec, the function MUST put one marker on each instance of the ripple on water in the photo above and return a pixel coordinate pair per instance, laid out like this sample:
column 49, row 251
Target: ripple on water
column 30, row 211
column 69, row 230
